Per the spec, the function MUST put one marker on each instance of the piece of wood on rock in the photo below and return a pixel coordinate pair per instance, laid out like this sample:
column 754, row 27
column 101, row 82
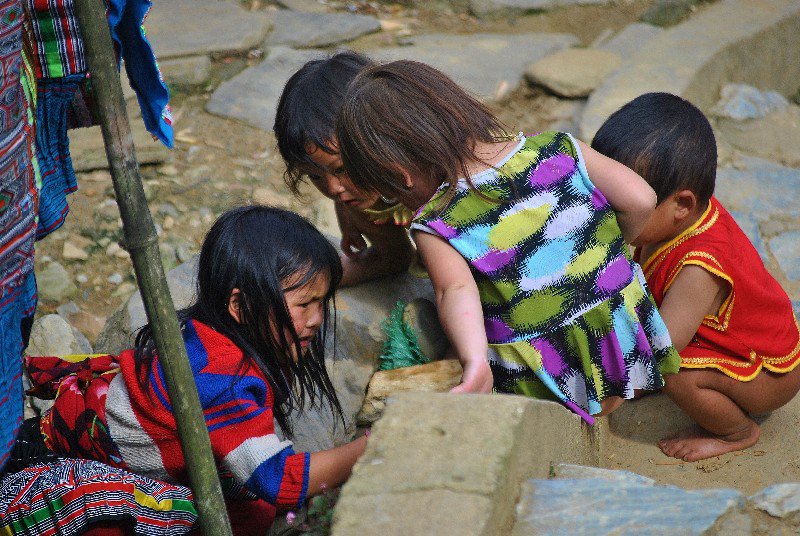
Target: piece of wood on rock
column 437, row 376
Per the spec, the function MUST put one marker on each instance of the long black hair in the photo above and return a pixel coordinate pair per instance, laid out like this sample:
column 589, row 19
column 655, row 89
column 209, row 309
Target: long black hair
column 260, row 250
column 306, row 113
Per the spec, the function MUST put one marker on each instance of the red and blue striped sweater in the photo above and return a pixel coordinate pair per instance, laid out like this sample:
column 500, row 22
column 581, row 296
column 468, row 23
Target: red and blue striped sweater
column 102, row 412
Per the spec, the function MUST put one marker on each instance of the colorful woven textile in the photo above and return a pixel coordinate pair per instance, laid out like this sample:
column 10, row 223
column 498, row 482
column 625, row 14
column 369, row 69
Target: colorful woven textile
column 17, row 222
column 566, row 315
column 131, row 417
column 755, row 327
column 126, row 17
column 76, row 425
column 67, row 496
column 55, row 96
column 59, row 52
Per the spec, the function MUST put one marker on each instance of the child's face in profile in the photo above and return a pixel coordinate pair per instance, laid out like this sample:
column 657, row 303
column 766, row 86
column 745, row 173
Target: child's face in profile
column 306, row 305
column 330, row 178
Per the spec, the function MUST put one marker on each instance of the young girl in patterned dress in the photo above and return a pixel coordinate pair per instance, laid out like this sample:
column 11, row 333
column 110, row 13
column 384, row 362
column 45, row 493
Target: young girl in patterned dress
column 525, row 239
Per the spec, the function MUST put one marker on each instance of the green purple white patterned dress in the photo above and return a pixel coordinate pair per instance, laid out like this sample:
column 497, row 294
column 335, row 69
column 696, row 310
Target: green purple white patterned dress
column 567, row 312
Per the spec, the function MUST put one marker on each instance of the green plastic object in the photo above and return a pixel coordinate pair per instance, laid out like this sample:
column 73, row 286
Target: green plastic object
column 401, row 348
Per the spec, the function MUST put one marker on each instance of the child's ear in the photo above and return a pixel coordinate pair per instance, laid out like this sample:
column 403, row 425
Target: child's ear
column 234, row 303
column 685, row 204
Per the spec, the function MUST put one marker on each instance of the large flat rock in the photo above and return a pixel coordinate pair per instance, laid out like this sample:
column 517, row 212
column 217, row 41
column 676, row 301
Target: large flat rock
column 195, row 27
column 630, row 40
column 309, row 30
column 751, row 38
column 510, row 8
column 550, row 507
column 252, row 95
column 759, row 187
column 449, row 459
column 88, row 150
column 489, row 66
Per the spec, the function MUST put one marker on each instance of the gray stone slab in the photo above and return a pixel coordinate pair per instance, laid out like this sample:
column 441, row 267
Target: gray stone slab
column 252, row 95
column 743, row 101
column 786, row 248
column 780, row 500
column 759, row 187
column 600, row 507
column 567, row 471
column 778, row 135
column 194, row 27
column 573, row 72
column 630, row 40
column 88, row 150
column 189, row 71
column 309, row 30
column 489, row 66
column 697, row 57
column 307, row 6
column 506, row 8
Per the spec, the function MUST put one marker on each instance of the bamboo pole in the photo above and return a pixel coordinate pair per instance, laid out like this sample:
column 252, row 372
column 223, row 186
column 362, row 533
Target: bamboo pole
column 141, row 241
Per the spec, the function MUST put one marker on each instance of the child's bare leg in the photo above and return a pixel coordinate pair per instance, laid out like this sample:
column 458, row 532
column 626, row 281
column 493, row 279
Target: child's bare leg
column 609, row 404
column 720, row 405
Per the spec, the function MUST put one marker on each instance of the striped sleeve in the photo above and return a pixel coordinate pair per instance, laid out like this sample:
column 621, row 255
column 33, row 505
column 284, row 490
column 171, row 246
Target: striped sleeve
column 240, row 423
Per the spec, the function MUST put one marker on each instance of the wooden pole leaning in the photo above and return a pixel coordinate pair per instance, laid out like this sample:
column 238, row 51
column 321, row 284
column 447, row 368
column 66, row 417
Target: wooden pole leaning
column 141, row 241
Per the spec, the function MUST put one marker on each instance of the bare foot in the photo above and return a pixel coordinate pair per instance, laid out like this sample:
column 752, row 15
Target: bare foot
column 699, row 444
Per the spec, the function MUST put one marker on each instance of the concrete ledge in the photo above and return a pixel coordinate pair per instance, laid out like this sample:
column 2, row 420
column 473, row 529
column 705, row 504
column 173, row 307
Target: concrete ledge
column 452, row 464
column 733, row 40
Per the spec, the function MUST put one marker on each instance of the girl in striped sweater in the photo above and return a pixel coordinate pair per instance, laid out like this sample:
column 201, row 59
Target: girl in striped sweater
column 255, row 342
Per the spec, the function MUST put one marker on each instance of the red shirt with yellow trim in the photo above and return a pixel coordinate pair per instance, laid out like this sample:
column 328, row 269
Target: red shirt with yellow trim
column 755, row 326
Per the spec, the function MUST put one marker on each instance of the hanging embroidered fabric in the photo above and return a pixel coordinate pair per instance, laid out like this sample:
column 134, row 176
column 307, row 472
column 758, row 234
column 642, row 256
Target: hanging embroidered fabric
column 64, row 89
column 17, row 221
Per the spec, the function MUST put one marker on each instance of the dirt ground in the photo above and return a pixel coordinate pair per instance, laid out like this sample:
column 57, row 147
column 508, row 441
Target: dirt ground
column 219, row 163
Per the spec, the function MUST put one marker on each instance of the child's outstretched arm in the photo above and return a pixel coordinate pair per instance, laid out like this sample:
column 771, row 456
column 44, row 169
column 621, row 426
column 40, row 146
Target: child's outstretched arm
column 628, row 194
column 459, row 309
column 330, row 468
column 389, row 250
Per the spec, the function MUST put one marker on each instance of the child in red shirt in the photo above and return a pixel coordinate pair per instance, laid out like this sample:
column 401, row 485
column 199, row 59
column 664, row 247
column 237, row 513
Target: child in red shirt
column 728, row 317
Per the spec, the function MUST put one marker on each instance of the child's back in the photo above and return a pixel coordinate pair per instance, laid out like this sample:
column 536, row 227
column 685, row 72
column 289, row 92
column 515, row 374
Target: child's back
column 559, row 291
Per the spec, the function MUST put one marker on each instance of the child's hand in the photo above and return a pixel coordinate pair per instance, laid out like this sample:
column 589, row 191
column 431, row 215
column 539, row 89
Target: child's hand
column 476, row 378
column 353, row 244
column 353, row 241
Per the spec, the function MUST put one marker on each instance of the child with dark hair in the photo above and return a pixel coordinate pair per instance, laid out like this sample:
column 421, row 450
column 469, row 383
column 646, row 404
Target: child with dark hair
column 729, row 318
column 255, row 342
column 374, row 239
column 524, row 238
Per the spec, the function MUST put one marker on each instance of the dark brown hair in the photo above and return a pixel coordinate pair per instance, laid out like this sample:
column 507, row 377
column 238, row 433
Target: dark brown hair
column 408, row 116
column 665, row 139
column 306, row 113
